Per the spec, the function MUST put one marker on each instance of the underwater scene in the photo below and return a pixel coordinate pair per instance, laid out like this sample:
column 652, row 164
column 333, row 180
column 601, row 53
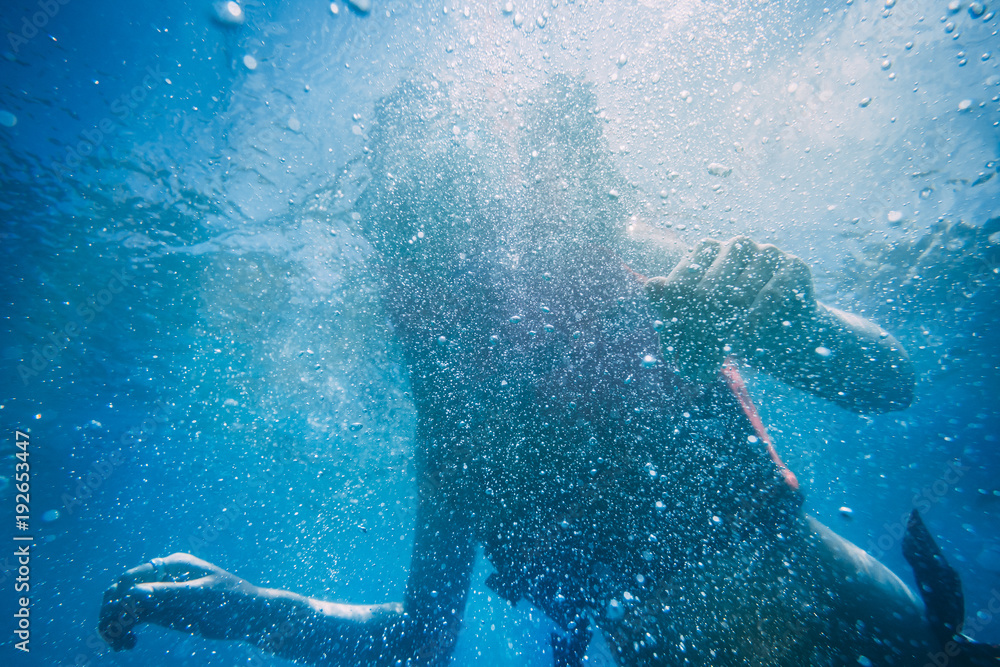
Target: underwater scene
column 489, row 332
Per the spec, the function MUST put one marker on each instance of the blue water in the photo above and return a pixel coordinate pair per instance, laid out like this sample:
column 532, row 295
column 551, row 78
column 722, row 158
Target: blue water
column 176, row 206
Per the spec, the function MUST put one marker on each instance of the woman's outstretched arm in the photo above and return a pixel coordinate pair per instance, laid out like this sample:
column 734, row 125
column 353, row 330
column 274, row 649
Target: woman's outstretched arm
column 188, row 594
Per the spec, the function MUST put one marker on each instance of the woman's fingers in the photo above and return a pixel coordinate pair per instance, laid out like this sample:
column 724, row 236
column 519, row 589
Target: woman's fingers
column 787, row 297
column 757, row 274
column 175, row 567
column 721, row 277
column 141, row 573
column 122, row 610
column 173, row 604
column 155, row 592
column 725, row 296
column 671, row 295
column 691, row 271
column 168, row 590
column 170, row 603
column 185, row 567
column 789, row 286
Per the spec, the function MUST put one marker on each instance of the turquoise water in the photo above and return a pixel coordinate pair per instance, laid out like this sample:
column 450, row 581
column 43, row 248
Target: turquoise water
column 194, row 331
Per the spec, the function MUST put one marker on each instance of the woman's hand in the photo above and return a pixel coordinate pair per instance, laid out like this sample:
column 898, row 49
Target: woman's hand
column 725, row 297
column 180, row 592
column 757, row 302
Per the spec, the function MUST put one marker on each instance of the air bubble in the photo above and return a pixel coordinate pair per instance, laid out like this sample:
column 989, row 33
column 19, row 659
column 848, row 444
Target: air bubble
column 230, row 13
column 363, row 6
